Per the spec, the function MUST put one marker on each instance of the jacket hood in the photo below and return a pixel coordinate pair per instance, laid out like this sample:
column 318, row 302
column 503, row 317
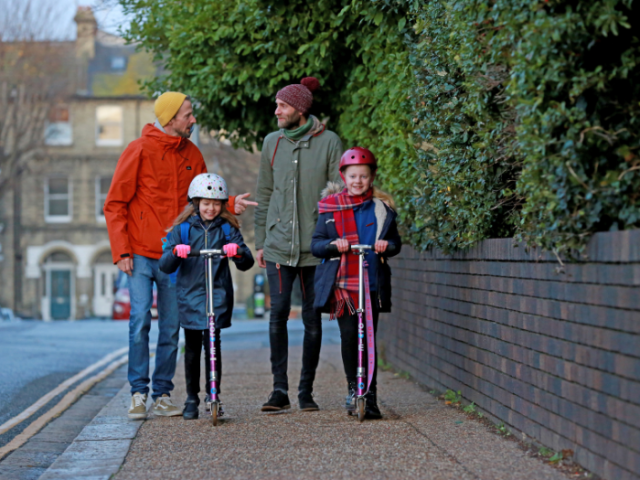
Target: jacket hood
column 153, row 133
column 331, row 188
column 317, row 125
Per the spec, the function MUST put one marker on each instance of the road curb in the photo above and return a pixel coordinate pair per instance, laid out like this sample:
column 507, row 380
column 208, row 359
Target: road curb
column 101, row 447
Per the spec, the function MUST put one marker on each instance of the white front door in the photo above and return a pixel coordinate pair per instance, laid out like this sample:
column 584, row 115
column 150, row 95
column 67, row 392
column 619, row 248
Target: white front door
column 104, row 276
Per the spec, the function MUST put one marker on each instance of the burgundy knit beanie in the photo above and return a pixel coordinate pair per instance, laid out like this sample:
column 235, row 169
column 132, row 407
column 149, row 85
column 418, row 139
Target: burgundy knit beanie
column 299, row 95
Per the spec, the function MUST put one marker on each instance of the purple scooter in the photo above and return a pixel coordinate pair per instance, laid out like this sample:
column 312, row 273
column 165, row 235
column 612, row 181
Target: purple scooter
column 365, row 328
column 213, row 405
column 364, row 372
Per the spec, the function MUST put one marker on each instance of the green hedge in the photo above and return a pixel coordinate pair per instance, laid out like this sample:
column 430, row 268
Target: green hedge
column 491, row 119
column 528, row 119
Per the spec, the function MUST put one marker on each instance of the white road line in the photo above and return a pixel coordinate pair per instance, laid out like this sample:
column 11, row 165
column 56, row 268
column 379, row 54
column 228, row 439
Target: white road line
column 59, row 389
column 60, row 407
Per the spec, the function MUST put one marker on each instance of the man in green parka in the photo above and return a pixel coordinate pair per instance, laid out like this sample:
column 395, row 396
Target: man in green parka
column 296, row 163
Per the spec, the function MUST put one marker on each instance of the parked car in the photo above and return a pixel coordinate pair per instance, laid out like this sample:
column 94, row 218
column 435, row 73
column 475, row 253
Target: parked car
column 122, row 300
column 6, row 315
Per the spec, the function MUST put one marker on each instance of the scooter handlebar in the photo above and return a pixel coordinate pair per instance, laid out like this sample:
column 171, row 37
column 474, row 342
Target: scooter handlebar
column 212, row 252
column 332, row 249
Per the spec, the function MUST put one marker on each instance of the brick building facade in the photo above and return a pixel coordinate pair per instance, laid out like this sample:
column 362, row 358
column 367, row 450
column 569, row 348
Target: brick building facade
column 56, row 261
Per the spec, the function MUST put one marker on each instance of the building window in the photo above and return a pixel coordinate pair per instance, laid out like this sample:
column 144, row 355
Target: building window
column 108, row 126
column 118, row 63
column 102, row 188
column 57, row 200
column 57, row 130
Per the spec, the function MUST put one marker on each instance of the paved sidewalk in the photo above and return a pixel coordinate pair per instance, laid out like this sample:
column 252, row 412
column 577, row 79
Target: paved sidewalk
column 418, row 438
column 33, row 459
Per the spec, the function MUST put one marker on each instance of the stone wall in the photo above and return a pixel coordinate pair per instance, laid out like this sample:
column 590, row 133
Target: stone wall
column 552, row 351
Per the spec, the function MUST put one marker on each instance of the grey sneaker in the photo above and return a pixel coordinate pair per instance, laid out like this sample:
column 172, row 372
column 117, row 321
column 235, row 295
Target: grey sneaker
column 163, row 407
column 138, row 409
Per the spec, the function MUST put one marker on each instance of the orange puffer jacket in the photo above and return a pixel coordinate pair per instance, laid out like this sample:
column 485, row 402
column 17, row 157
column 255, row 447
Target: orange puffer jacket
column 149, row 190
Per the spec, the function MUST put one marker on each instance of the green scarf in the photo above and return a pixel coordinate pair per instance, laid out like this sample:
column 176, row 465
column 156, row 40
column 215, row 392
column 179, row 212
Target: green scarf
column 299, row 132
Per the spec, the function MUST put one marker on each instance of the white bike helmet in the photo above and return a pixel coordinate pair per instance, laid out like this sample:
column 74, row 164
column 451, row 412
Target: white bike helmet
column 208, row 185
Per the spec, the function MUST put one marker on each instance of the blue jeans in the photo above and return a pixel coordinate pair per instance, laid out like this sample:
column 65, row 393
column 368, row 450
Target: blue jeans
column 145, row 272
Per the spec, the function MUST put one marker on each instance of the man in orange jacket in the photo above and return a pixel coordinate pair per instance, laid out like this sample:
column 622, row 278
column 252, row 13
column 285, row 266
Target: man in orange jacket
column 148, row 191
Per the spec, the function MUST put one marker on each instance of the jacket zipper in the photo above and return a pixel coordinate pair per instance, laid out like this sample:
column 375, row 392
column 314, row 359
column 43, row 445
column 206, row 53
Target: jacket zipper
column 206, row 270
column 295, row 205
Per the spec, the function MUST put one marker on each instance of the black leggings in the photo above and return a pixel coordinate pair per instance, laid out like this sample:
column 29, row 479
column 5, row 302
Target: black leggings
column 194, row 340
column 349, row 335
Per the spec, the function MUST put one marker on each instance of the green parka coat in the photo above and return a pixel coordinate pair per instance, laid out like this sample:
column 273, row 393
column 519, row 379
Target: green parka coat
column 289, row 190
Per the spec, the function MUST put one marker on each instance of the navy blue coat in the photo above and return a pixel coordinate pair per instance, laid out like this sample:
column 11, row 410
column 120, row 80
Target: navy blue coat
column 326, row 272
column 190, row 284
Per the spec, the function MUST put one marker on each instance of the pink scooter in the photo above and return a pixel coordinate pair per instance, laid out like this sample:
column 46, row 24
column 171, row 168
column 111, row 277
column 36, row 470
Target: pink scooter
column 213, row 405
column 364, row 372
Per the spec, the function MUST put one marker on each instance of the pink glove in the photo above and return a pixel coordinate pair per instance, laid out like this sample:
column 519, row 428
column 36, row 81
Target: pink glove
column 182, row 250
column 231, row 250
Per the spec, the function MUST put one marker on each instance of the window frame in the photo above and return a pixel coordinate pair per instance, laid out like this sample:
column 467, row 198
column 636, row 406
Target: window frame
column 109, row 143
column 99, row 203
column 118, row 59
column 47, row 197
column 53, row 142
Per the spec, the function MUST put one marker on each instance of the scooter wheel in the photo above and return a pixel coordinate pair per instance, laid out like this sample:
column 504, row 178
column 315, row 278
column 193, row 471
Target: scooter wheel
column 360, row 407
column 214, row 413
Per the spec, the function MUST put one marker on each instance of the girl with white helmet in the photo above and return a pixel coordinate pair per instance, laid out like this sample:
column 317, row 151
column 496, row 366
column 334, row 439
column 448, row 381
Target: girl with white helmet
column 204, row 224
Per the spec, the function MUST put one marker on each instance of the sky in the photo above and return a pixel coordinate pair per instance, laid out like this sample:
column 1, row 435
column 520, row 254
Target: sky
column 108, row 13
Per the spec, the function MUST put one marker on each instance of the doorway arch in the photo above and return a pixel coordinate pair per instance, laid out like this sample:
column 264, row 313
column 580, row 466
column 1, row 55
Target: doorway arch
column 59, row 289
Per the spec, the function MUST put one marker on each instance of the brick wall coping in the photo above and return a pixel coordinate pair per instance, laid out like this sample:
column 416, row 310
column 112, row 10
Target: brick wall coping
column 604, row 247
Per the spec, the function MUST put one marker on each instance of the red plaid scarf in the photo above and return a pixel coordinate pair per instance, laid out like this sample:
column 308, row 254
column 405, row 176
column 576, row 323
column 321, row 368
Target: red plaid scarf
column 346, row 284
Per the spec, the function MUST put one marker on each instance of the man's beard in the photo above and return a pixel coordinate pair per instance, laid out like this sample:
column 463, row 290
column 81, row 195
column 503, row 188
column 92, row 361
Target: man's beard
column 184, row 133
column 292, row 122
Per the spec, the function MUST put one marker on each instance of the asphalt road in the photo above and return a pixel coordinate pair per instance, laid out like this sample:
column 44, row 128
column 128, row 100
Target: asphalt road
column 36, row 356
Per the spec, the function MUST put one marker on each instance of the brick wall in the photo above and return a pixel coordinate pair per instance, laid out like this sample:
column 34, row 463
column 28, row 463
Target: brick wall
column 552, row 352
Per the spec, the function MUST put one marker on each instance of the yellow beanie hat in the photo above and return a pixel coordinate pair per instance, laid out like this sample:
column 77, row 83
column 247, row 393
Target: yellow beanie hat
column 167, row 105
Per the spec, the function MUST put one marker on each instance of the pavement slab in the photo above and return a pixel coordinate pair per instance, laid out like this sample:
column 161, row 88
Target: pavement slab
column 419, row 437
column 101, row 446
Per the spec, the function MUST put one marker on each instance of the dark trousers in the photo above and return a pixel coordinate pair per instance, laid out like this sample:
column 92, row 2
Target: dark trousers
column 348, row 324
column 280, row 285
column 194, row 340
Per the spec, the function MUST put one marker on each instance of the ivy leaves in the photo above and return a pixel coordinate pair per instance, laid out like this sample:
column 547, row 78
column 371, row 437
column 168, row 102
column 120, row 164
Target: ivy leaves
column 539, row 137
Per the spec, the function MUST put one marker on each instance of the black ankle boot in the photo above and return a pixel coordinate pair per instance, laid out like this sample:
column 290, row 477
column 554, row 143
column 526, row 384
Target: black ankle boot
column 350, row 399
column 306, row 402
column 190, row 411
column 278, row 400
column 371, row 410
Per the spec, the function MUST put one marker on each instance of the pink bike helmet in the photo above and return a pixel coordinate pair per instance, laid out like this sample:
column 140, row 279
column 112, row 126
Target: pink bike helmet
column 358, row 156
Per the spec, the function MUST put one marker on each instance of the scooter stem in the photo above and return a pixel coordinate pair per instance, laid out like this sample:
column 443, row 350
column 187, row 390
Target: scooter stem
column 361, row 373
column 209, row 266
column 213, row 380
